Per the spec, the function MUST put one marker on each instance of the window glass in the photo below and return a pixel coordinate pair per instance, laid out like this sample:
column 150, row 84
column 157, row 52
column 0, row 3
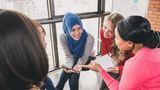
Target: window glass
column 133, row 7
column 49, row 47
column 90, row 25
column 108, row 5
column 33, row 8
column 75, row 6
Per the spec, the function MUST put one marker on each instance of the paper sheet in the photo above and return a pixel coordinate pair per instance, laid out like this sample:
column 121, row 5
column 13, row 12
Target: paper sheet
column 105, row 61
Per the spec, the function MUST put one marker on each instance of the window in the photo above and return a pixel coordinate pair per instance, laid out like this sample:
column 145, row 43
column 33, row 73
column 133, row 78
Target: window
column 45, row 11
column 49, row 47
column 35, row 9
column 75, row 6
column 108, row 5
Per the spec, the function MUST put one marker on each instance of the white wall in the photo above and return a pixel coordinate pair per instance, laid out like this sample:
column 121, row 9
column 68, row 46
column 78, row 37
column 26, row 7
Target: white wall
column 130, row 7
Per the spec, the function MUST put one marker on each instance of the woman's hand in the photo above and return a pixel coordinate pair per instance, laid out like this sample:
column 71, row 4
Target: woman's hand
column 93, row 66
column 68, row 70
column 77, row 68
column 113, row 69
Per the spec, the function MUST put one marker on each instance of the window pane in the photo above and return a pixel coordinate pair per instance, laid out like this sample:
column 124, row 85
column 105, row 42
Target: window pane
column 90, row 27
column 49, row 47
column 108, row 5
column 133, row 7
column 33, row 8
column 61, row 55
column 75, row 6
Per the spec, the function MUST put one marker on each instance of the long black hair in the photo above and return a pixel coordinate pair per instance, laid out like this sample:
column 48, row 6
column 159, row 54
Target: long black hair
column 138, row 30
column 23, row 60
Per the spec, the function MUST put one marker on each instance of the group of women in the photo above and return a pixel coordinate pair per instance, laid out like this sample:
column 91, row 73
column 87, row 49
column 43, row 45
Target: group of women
column 131, row 43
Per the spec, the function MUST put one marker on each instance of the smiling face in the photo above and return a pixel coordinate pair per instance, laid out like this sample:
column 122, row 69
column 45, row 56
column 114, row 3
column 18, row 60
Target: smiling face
column 76, row 32
column 108, row 29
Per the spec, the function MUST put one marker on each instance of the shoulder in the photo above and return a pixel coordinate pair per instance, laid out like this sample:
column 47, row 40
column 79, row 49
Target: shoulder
column 150, row 53
column 90, row 40
column 63, row 38
column 90, row 37
column 140, row 56
column 101, row 30
column 143, row 52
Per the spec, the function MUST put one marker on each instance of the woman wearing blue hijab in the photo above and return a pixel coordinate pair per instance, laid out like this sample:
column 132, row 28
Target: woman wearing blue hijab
column 78, row 48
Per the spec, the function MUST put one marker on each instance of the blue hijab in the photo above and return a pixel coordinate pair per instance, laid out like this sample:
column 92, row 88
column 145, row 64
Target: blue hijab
column 76, row 47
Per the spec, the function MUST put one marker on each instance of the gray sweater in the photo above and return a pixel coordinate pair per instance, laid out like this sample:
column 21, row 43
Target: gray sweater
column 88, row 51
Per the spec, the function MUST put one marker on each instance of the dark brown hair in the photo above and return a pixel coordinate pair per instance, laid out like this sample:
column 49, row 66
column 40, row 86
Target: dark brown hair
column 23, row 59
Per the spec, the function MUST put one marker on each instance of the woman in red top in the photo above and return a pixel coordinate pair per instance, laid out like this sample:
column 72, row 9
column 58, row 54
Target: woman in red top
column 107, row 46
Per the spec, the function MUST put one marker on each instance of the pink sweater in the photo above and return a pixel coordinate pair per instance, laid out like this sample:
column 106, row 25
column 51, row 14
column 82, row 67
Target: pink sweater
column 140, row 72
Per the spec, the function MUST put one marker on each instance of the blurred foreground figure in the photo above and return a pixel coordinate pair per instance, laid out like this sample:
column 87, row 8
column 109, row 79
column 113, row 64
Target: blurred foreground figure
column 23, row 60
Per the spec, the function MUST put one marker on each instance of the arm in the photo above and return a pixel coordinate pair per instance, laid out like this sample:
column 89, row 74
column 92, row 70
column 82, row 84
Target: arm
column 135, row 74
column 68, row 55
column 88, row 50
column 132, row 78
column 111, row 83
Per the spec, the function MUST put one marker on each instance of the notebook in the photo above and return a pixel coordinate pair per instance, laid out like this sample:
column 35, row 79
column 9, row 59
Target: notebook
column 105, row 61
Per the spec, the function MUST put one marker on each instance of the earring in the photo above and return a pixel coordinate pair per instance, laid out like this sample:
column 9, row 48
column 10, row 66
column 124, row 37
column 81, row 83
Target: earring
column 35, row 87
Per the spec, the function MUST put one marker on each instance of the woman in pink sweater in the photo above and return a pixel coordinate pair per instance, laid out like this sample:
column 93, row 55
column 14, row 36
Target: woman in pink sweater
column 140, row 72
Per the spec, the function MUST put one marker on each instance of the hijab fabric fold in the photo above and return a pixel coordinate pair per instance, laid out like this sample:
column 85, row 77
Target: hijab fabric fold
column 76, row 47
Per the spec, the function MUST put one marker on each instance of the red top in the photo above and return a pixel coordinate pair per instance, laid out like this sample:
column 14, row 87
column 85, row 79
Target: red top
column 105, row 43
column 140, row 72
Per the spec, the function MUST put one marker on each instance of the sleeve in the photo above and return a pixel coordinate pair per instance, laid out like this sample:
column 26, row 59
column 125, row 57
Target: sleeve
column 120, row 69
column 68, row 55
column 111, row 83
column 131, row 78
column 88, row 50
